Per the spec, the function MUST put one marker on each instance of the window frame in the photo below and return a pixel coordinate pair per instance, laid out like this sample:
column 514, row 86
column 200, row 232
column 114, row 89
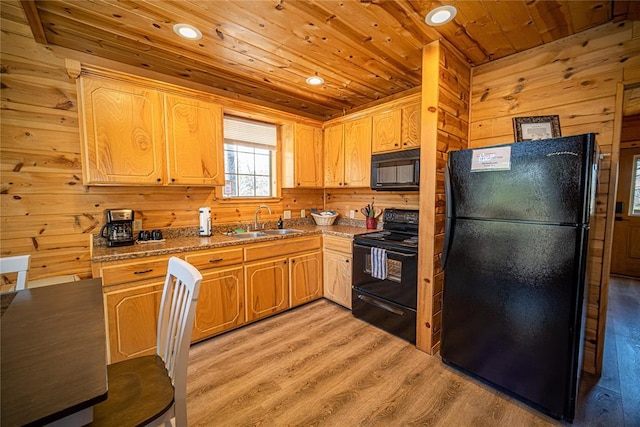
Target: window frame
column 635, row 176
column 276, row 177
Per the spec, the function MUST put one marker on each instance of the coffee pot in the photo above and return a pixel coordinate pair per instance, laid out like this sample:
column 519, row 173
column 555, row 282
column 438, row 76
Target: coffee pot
column 119, row 227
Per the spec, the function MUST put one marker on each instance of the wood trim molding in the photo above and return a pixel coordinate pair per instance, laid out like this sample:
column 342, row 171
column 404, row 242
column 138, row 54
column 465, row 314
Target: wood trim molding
column 74, row 68
column 35, row 23
column 428, row 153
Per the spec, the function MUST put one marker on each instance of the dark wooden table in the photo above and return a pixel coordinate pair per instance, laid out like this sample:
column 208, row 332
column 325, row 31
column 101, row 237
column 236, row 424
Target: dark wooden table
column 52, row 353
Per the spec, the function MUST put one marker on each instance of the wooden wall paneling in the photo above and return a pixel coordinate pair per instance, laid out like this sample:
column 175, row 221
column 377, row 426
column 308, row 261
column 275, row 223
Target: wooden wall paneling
column 342, row 200
column 576, row 78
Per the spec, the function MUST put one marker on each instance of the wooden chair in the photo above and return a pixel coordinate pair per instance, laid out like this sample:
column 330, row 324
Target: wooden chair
column 151, row 390
column 16, row 264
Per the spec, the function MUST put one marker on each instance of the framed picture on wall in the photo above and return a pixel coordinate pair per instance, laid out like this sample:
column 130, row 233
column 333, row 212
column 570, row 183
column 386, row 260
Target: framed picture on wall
column 536, row 127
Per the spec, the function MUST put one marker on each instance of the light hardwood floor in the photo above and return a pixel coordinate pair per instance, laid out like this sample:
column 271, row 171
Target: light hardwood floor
column 317, row 365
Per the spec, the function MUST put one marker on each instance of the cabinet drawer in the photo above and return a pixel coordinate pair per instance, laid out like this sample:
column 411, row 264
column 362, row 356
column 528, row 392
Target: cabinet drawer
column 338, row 244
column 281, row 247
column 132, row 270
column 215, row 258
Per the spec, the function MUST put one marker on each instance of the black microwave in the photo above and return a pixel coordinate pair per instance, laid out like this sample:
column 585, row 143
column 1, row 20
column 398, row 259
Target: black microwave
column 397, row 171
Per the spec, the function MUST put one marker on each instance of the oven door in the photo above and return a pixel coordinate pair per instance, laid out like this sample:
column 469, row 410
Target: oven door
column 400, row 286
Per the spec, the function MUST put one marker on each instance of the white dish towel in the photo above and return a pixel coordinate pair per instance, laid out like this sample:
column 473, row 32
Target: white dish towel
column 378, row 263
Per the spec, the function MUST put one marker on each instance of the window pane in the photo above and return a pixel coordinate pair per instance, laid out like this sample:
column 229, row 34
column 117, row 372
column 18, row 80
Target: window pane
column 635, row 187
column 246, row 186
column 263, row 188
column 263, row 165
column 233, row 180
column 246, row 163
column 230, row 163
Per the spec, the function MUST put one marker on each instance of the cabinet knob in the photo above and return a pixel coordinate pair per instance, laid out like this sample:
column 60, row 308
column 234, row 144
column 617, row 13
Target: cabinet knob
column 347, row 261
column 284, row 262
column 340, row 184
column 405, row 143
column 173, row 180
column 395, row 145
column 158, row 180
column 298, row 184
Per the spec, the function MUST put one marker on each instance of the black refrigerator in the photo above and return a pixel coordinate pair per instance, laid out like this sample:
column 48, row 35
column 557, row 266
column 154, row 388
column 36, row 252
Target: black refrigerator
column 514, row 256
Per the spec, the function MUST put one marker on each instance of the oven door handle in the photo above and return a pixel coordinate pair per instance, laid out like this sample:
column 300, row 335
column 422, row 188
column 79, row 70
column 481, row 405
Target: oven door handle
column 402, row 254
column 379, row 304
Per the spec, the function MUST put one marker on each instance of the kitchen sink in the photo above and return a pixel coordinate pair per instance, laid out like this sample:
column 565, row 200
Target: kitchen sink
column 249, row 235
column 282, row 231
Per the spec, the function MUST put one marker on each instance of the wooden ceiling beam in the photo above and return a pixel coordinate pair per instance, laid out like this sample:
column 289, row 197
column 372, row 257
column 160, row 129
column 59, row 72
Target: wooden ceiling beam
column 33, row 18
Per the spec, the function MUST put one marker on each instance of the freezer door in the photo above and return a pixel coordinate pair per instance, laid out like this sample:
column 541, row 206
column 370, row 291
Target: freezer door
column 548, row 182
column 512, row 307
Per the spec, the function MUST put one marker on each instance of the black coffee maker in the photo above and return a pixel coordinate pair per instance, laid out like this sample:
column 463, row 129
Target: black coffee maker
column 119, row 227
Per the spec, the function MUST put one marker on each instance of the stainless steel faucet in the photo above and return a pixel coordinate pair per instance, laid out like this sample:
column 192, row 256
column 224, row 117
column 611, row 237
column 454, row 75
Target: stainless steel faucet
column 255, row 222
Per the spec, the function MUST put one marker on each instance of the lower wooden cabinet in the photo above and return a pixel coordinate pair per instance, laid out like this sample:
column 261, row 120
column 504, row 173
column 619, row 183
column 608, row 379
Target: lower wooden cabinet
column 267, row 287
column 132, row 320
column 338, row 261
column 305, row 276
column 220, row 304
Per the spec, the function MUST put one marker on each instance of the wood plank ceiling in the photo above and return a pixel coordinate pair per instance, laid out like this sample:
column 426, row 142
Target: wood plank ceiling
column 264, row 50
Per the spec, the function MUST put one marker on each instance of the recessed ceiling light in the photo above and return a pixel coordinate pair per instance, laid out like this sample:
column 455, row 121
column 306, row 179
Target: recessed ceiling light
column 187, row 31
column 315, row 80
column 440, row 15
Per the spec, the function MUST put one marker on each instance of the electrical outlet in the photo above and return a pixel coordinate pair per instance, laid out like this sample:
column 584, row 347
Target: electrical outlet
column 137, row 224
column 287, row 214
column 352, row 214
column 303, row 214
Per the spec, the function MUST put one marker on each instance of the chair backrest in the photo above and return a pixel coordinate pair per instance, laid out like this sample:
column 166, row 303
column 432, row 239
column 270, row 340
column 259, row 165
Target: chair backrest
column 16, row 264
column 175, row 324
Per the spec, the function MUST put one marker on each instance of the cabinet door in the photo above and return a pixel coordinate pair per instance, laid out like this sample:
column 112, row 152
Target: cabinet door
column 337, row 277
column 334, row 156
column 357, row 153
column 194, row 141
column 122, row 133
column 220, row 303
column 411, row 126
column 267, row 287
column 386, row 131
column 132, row 318
column 305, row 275
column 308, row 156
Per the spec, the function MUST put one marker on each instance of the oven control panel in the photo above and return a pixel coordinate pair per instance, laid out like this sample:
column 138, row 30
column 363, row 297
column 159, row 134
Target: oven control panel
column 403, row 216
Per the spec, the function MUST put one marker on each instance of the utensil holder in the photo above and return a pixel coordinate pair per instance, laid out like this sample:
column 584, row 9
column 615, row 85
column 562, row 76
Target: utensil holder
column 371, row 223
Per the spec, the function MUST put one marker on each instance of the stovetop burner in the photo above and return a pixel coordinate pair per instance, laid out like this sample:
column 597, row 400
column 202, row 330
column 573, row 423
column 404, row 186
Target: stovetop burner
column 400, row 231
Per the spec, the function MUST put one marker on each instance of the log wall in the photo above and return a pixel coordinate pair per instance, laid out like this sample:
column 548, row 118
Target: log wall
column 576, row 78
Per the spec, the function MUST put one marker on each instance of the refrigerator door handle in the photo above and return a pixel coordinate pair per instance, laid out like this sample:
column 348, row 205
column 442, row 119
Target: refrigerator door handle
column 449, row 217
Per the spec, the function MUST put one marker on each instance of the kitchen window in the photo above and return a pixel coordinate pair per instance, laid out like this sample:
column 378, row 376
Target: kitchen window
column 249, row 158
column 635, row 186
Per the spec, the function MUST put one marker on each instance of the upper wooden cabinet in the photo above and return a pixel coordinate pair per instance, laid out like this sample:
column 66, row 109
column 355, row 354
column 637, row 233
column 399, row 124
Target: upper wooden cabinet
column 194, row 141
column 140, row 135
column 396, row 129
column 302, row 156
column 122, row 133
column 347, row 154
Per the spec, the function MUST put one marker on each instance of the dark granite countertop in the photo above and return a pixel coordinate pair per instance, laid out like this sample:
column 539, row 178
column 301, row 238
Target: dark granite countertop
column 218, row 240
